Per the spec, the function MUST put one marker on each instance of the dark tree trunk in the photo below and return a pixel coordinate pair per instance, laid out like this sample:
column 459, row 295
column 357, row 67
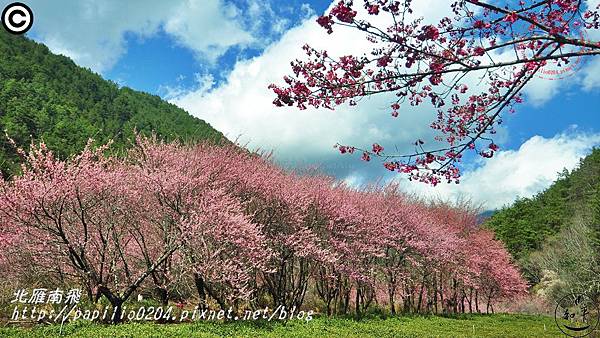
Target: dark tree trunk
column 471, row 301
column 421, row 295
column 357, row 302
column 201, row 288
column 163, row 295
column 435, row 297
column 454, row 295
column 115, row 301
column 117, row 310
column 391, row 298
column 346, row 302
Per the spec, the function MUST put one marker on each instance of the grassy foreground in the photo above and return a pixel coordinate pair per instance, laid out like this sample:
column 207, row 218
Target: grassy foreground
column 499, row 325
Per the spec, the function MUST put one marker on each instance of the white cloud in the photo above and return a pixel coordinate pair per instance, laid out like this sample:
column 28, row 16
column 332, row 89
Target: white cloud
column 93, row 32
column 511, row 173
column 204, row 83
column 243, row 104
column 541, row 90
column 591, row 80
column 207, row 27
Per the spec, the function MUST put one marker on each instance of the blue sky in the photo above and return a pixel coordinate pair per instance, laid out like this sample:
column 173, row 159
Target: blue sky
column 214, row 58
column 142, row 66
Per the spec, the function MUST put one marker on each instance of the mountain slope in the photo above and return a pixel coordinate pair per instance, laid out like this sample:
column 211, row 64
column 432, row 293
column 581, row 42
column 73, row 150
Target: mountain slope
column 527, row 224
column 46, row 96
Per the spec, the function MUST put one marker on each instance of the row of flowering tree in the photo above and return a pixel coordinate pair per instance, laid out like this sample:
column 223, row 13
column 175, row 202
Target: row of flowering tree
column 224, row 227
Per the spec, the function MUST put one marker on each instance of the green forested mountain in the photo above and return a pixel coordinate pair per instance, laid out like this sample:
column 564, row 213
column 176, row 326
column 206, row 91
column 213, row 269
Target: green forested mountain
column 46, row 96
column 555, row 235
column 525, row 225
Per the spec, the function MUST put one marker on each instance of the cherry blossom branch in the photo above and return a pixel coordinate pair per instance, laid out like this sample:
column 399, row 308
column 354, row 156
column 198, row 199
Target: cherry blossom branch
column 419, row 62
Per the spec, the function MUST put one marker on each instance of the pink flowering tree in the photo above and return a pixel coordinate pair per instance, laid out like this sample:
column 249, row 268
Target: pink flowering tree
column 354, row 235
column 494, row 277
column 501, row 46
column 286, row 207
column 221, row 247
column 80, row 218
